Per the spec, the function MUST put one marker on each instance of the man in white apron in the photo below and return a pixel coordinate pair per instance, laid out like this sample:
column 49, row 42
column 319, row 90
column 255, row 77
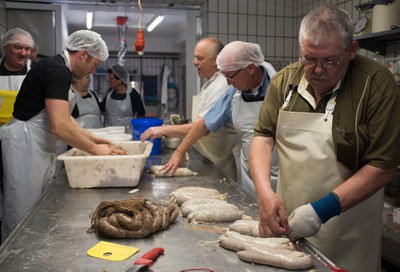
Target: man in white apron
column 217, row 147
column 15, row 64
column 329, row 115
column 41, row 118
column 122, row 103
column 244, row 68
column 87, row 109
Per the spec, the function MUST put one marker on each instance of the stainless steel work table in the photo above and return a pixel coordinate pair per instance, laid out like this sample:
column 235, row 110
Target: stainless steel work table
column 53, row 237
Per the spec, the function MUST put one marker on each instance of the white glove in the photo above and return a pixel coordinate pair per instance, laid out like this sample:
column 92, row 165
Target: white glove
column 303, row 222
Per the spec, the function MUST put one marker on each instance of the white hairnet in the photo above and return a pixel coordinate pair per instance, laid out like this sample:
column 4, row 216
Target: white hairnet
column 120, row 72
column 14, row 35
column 90, row 41
column 238, row 55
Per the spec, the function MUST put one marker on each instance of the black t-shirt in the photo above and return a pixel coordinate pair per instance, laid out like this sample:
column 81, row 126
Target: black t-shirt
column 5, row 72
column 50, row 78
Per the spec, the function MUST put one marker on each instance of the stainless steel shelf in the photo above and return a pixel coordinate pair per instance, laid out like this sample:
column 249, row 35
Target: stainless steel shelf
column 378, row 41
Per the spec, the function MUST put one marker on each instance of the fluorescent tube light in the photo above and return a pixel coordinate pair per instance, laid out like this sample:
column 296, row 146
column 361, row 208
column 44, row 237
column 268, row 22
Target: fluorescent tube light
column 155, row 22
column 89, row 19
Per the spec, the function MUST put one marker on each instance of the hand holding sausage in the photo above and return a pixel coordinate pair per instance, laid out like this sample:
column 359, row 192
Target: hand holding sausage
column 174, row 162
column 273, row 218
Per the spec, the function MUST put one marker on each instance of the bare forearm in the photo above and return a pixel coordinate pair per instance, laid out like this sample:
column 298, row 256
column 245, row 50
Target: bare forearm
column 197, row 131
column 66, row 128
column 260, row 162
column 364, row 183
column 71, row 134
column 272, row 217
column 179, row 131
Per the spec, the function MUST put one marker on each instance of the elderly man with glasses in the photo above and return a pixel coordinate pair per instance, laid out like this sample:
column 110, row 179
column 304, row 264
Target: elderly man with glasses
column 244, row 68
column 333, row 118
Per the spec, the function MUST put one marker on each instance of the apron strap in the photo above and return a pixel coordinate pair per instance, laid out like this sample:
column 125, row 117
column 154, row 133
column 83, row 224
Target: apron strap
column 284, row 105
column 330, row 106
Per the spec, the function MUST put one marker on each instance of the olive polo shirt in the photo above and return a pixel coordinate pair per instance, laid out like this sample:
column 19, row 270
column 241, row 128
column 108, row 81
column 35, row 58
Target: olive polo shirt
column 365, row 120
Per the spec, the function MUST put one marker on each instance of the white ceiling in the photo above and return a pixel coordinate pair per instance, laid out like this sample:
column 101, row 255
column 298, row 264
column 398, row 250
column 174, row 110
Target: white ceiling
column 106, row 12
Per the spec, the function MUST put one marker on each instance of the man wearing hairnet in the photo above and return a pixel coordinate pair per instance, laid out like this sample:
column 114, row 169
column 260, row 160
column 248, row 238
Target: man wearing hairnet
column 41, row 117
column 243, row 66
column 14, row 65
column 122, row 102
column 87, row 108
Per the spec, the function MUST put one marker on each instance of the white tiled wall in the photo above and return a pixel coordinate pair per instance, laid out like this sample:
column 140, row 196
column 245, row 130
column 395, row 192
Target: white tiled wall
column 273, row 24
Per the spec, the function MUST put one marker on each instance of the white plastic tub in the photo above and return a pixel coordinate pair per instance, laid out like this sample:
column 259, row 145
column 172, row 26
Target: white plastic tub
column 112, row 133
column 89, row 171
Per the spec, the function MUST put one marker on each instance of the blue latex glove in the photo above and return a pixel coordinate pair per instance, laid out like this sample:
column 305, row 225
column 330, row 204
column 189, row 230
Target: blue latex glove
column 306, row 220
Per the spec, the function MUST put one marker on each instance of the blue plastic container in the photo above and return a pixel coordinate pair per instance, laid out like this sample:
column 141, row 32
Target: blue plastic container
column 139, row 125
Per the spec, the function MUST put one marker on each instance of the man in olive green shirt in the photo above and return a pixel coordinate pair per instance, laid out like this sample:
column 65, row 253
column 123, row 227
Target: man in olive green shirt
column 333, row 117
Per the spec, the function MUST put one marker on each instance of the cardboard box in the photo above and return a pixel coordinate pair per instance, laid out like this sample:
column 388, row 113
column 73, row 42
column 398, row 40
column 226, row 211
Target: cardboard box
column 89, row 171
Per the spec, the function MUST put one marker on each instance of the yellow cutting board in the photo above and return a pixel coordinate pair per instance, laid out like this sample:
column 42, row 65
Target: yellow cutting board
column 111, row 251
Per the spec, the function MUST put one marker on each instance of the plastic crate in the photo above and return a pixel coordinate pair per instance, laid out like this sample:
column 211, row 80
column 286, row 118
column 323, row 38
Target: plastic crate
column 7, row 100
column 89, row 171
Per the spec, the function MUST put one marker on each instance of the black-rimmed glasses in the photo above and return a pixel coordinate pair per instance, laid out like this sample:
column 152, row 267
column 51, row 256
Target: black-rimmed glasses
column 230, row 77
column 325, row 63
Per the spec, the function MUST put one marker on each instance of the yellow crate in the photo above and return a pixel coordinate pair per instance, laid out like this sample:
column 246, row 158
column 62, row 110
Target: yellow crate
column 7, row 99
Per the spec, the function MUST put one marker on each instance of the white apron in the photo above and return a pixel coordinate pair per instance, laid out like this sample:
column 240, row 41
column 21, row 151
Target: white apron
column 244, row 118
column 13, row 82
column 118, row 112
column 29, row 157
column 218, row 146
column 29, row 162
column 89, row 112
column 309, row 171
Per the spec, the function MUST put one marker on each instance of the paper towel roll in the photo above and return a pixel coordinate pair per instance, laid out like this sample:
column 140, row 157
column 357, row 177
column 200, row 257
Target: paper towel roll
column 385, row 16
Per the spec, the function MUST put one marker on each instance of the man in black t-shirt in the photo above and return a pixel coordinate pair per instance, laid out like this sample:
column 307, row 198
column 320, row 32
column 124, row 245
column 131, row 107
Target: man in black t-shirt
column 41, row 118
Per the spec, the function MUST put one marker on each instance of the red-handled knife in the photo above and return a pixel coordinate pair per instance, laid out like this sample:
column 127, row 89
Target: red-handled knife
column 146, row 260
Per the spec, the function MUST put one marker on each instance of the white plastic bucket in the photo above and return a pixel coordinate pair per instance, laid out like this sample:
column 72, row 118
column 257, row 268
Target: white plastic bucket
column 385, row 16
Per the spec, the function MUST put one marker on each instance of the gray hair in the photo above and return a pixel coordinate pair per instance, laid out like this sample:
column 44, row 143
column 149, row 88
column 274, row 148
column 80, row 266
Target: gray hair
column 35, row 48
column 325, row 21
column 11, row 36
column 217, row 45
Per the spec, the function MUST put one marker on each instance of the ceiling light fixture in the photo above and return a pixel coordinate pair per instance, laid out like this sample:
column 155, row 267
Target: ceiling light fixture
column 155, row 22
column 89, row 19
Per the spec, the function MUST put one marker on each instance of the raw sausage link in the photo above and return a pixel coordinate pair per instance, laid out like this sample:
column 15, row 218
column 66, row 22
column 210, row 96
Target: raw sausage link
column 277, row 257
column 210, row 215
column 132, row 218
column 246, row 227
column 188, row 209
